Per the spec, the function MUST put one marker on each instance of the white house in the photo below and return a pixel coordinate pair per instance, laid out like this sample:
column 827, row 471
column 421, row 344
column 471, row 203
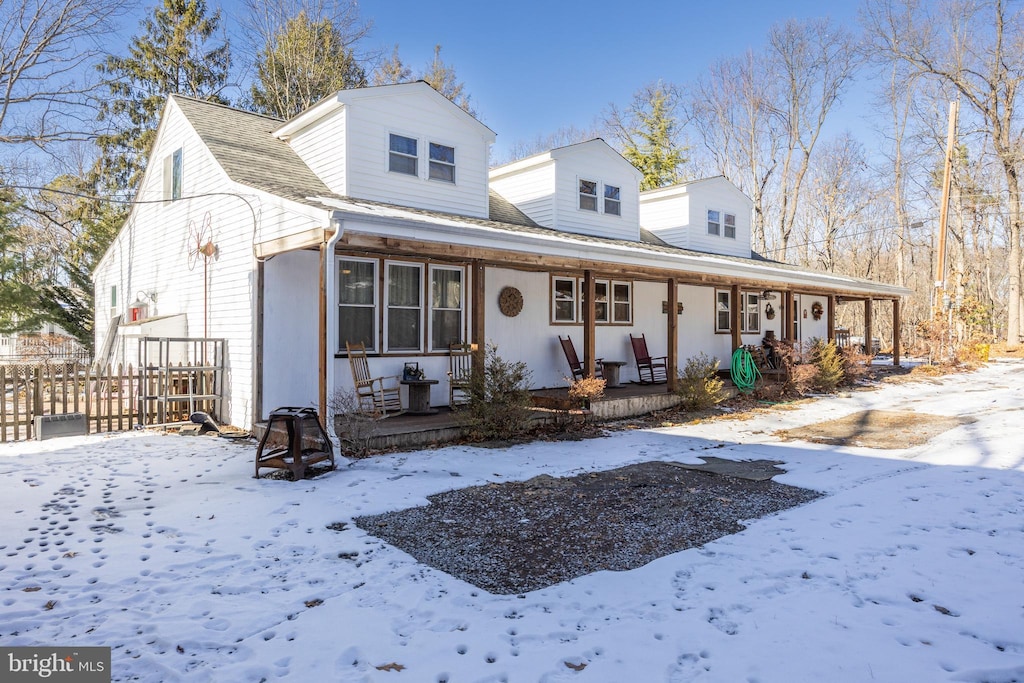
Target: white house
column 373, row 217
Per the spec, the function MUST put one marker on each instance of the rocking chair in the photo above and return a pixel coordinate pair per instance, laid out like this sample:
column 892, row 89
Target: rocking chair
column 374, row 394
column 651, row 370
column 460, row 371
column 574, row 362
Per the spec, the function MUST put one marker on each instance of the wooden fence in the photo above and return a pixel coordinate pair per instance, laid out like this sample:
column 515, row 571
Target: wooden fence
column 108, row 397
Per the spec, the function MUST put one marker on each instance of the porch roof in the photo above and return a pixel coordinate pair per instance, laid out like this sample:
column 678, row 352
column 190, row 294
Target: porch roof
column 521, row 235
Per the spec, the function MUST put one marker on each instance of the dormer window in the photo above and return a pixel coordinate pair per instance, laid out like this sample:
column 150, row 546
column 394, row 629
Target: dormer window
column 442, row 162
column 714, row 222
column 612, row 200
column 588, row 195
column 402, row 155
column 730, row 225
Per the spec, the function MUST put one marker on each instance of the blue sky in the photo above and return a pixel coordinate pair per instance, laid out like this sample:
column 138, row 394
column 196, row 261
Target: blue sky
column 532, row 66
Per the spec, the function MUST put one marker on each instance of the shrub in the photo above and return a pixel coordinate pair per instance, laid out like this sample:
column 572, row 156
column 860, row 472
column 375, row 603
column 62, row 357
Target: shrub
column 699, row 385
column 499, row 404
column 828, row 365
column 856, row 365
column 585, row 390
column 355, row 429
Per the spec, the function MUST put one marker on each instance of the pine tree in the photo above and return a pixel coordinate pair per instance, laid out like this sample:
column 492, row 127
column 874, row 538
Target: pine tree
column 648, row 135
column 19, row 299
column 304, row 62
column 178, row 52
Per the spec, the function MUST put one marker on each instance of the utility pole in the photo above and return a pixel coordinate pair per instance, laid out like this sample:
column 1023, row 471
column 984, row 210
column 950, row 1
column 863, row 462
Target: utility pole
column 947, row 178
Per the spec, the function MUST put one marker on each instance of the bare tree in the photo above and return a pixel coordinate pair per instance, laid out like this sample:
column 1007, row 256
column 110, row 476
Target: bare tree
column 975, row 47
column 564, row 136
column 814, row 61
column 731, row 110
column 46, row 49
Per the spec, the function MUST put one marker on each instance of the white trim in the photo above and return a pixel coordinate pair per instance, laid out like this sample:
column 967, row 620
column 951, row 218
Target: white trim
column 385, row 303
column 388, row 152
column 728, row 325
column 428, row 303
column 454, row 164
column 554, row 300
column 580, row 194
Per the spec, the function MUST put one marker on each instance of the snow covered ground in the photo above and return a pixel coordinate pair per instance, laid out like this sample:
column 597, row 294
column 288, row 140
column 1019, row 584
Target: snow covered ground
column 911, row 568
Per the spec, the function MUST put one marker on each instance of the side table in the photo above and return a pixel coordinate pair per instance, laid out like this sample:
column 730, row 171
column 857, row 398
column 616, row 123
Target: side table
column 610, row 370
column 419, row 396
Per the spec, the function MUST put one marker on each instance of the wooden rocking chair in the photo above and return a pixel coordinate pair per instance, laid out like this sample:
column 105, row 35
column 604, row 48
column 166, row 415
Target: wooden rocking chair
column 374, row 395
column 574, row 362
column 651, row 370
column 460, row 372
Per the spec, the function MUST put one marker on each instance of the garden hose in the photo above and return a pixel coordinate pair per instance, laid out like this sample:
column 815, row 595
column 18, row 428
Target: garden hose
column 744, row 370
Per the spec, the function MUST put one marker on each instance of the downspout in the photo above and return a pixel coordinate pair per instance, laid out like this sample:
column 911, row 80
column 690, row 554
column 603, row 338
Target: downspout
column 328, row 334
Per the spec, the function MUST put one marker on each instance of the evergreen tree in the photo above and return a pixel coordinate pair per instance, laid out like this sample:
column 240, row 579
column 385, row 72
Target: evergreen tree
column 648, row 135
column 178, row 52
column 304, row 62
column 19, row 299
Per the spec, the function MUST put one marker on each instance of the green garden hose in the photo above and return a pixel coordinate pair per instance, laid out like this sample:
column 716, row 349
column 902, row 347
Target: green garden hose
column 744, row 370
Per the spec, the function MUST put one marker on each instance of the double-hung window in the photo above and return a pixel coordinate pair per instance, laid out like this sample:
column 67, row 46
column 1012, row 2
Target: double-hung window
column 403, row 321
column 730, row 225
column 403, row 156
column 357, row 302
column 601, row 310
column 714, row 222
column 446, row 307
column 723, row 310
column 622, row 302
column 751, row 312
column 612, row 200
column 588, row 195
column 563, row 299
column 442, row 162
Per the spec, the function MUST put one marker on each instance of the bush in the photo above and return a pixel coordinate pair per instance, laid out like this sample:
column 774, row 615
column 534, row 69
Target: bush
column 699, row 385
column 585, row 390
column 355, row 429
column 499, row 404
column 828, row 365
column 856, row 365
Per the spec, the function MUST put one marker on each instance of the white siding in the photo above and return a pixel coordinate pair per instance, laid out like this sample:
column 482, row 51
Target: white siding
column 532, row 191
column 678, row 215
column 595, row 161
column 152, row 254
column 322, row 148
column 371, row 120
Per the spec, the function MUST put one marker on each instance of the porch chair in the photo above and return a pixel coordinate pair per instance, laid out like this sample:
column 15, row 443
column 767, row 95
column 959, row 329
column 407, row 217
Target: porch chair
column 574, row 362
column 460, row 371
column 375, row 394
column 651, row 370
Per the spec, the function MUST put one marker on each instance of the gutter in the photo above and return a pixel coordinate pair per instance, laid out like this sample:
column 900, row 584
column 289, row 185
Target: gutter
column 328, row 335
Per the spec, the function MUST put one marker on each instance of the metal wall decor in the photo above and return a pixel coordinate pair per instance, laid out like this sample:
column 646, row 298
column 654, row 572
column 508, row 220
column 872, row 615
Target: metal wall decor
column 510, row 301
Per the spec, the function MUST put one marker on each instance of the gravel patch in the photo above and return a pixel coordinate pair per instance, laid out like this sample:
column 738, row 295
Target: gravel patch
column 521, row 536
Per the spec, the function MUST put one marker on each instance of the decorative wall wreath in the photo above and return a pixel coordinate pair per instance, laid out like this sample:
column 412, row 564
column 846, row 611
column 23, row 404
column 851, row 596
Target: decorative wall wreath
column 769, row 312
column 817, row 310
column 510, row 301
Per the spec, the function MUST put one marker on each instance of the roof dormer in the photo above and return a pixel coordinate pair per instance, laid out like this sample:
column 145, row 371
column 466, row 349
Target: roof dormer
column 402, row 144
column 587, row 188
column 710, row 215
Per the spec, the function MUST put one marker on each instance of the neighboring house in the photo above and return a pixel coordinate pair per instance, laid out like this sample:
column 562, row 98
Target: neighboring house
column 50, row 344
column 373, row 217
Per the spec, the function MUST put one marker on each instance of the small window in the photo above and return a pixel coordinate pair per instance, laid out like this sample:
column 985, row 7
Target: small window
column 622, row 302
column 446, row 294
column 751, row 312
column 404, row 307
column 714, row 222
column 402, row 155
column 442, row 162
column 723, row 310
column 563, row 294
column 612, row 202
column 730, row 225
column 588, row 195
column 357, row 303
column 173, row 175
column 113, row 296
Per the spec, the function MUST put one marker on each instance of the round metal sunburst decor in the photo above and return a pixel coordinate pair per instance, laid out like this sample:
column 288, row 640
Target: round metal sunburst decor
column 510, row 301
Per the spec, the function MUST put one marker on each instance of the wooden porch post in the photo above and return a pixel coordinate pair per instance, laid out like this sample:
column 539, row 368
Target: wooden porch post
column 673, row 335
column 831, row 318
column 323, row 334
column 589, row 312
column 868, row 325
column 787, row 320
column 477, row 331
column 896, row 332
column 734, row 318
